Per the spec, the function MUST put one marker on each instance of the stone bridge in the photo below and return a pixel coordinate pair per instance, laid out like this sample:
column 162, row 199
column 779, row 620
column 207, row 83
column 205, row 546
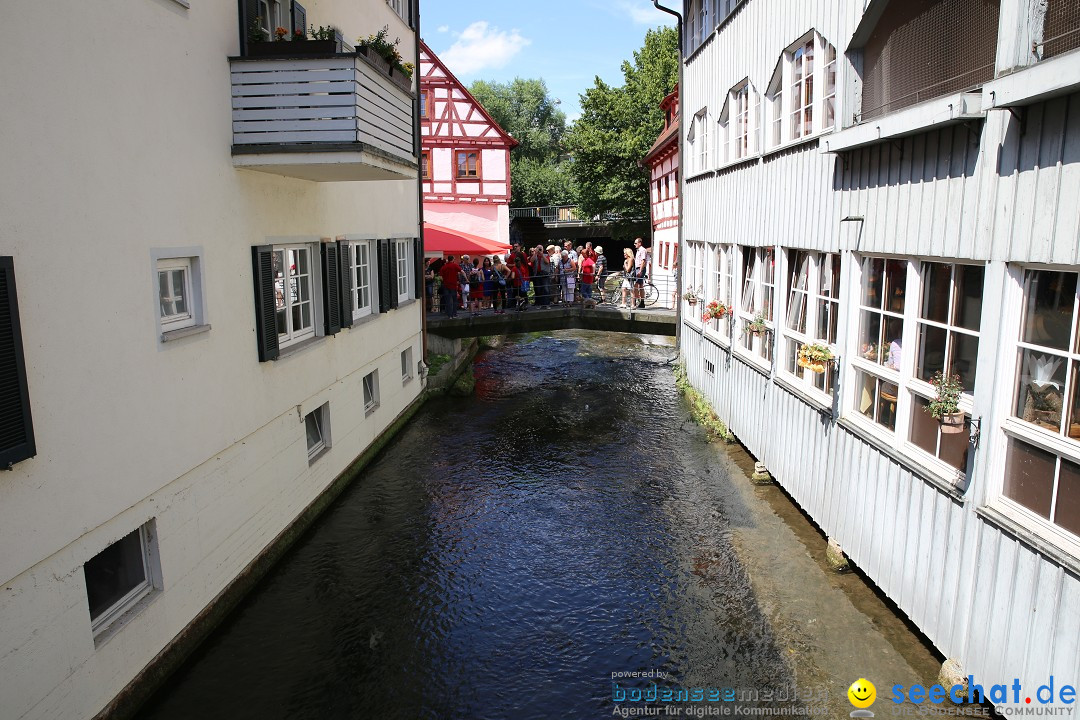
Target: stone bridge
column 559, row 317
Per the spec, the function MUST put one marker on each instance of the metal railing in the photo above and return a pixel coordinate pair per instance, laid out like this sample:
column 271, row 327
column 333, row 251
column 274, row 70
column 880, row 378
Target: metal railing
column 550, row 214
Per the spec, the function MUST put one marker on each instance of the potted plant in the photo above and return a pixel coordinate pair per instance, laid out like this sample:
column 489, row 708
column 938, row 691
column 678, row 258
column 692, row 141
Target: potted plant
column 945, row 407
column 383, row 53
column 324, row 40
column 814, row 357
column 757, row 326
column 690, row 296
column 714, row 311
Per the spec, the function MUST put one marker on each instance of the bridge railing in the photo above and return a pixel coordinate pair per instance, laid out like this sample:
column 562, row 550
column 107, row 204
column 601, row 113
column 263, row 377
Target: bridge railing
column 550, row 214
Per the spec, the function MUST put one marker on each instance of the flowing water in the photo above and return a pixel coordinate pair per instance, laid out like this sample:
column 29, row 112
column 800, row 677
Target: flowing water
column 504, row 557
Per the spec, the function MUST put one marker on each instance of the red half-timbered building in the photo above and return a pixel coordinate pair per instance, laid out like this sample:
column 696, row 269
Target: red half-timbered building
column 663, row 163
column 465, row 156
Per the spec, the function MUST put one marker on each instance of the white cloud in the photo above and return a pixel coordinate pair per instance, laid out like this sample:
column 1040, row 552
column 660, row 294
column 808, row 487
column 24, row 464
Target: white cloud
column 480, row 47
column 443, row 28
column 642, row 12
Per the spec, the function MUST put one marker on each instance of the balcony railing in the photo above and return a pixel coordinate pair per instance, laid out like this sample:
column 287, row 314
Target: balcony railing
column 325, row 118
column 568, row 215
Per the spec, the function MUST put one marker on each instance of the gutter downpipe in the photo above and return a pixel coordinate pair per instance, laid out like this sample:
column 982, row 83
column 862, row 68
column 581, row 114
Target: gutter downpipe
column 418, row 147
column 682, row 180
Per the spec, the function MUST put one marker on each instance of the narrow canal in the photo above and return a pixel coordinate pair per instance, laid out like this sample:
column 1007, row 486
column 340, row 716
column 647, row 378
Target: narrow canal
column 509, row 552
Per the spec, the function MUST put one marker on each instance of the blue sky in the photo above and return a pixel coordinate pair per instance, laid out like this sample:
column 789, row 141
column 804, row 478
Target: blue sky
column 565, row 42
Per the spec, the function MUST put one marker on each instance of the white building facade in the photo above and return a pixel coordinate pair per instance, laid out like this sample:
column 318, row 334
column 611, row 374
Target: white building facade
column 898, row 181
column 236, row 233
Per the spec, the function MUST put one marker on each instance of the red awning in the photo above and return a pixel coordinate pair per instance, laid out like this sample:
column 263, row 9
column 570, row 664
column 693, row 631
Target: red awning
column 440, row 241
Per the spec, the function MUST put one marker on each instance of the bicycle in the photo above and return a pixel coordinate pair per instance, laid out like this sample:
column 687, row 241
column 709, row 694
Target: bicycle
column 612, row 294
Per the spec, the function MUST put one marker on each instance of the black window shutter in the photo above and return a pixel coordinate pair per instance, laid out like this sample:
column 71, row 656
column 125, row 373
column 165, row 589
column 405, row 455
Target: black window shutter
column 346, row 283
column 16, row 425
column 331, row 265
column 383, row 252
column 262, row 263
column 249, row 13
column 418, row 272
column 299, row 17
column 393, row 273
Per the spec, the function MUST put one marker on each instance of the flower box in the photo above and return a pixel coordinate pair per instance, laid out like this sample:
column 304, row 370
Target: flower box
column 292, row 48
column 383, row 65
column 818, row 367
column 952, row 423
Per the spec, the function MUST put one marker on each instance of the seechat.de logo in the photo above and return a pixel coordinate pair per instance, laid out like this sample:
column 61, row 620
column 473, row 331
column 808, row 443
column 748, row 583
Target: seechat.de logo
column 862, row 695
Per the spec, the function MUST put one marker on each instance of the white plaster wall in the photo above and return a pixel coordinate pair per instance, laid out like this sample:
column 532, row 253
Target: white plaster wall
column 107, row 159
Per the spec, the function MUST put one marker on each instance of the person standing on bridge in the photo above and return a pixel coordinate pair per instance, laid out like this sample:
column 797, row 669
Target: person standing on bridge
column 628, row 269
column 588, row 274
column 541, row 276
column 601, row 271
column 451, row 275
column 641, row 269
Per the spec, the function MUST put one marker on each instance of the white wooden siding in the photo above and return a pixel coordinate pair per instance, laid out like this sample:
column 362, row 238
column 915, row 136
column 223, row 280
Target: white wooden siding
column 319, row 100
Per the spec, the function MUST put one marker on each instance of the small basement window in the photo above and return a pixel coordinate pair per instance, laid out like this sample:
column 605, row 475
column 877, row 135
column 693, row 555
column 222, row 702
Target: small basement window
column 119, row 577
column 317, row 428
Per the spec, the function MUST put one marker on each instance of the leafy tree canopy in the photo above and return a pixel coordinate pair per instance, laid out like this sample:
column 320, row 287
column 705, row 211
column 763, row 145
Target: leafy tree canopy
column 617, row 127
column 524, row 108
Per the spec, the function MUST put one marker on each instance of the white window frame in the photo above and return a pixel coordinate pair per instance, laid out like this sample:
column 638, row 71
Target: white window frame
column 400, row 7
column 694, row 280
column 407, row 366
column 284, row 297
column 271, row 13
column 738, row 126
column 721, row 289
column 756, row 295
column 189, row 259
column 151, row 581
column 371, row 392
column 320, row 417
column 790, row 81
column 698, row 139
column 903, row 376
column 1060, row 445
column 363, row 300
column 168, row 267
column 819, row 269
column 403, row 255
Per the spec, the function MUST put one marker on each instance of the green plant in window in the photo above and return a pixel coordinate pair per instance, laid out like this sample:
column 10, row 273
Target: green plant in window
column 947, row 401
column 757, row 326
column 386, row 49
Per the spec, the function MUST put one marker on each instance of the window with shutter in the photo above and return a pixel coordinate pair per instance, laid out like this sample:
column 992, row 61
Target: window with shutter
column 262, row 261
column 16, row 427
column 346, row 291
column 386, row 276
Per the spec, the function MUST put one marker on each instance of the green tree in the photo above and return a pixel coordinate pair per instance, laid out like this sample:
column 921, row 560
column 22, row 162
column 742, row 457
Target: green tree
column 617, row 127
column 525, row 109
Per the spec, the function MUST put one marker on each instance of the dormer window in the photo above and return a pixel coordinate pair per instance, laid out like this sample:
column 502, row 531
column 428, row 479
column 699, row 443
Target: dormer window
column 697, row 138
column 801, row 96
column 739, row 122
column 919, row 51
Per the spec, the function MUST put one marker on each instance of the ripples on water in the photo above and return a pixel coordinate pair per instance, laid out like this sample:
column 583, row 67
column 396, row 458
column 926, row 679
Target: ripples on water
column 502, row 558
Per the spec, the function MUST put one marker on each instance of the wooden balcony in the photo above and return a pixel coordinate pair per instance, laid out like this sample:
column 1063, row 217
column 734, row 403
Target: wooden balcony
column 336, row 118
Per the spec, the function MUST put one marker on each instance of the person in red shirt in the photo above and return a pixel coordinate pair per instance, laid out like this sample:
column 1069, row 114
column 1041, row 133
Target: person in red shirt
column 588, row 275
column 451, row 275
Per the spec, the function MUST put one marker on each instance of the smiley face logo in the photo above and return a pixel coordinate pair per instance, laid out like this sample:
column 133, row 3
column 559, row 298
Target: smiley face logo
column 862, row 693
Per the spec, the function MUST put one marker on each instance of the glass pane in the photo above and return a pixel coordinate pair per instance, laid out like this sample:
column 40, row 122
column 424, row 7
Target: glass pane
column 314, row 432
column 792, row 354
column 964, row 356
column 1041, row 389
column 867, row 395
column 895, row 277
column 887, row 404
column 873, row 277
column 297, row 318
column 1048, row 310
column 937, row 281
column 768, row 266
column 893, row 345
column 827, row 317
column 1029, row 476
column 870, row 336
column 179, row 286
column 1073, row 430
column 300, row 258
column 924, row 428
column 931, row 355
column 968, row 299
column 1067, row 510
column 164, row 296
column 113, row 573
column 305, row 316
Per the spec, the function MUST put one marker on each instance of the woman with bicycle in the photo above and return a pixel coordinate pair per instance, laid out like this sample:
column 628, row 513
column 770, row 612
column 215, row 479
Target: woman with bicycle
column 627, row 287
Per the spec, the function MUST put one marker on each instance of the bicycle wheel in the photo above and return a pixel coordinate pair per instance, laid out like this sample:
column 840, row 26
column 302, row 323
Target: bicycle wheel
column 651, row 293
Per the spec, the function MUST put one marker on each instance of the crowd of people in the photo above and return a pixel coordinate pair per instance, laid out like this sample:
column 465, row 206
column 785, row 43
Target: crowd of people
column 541, row 276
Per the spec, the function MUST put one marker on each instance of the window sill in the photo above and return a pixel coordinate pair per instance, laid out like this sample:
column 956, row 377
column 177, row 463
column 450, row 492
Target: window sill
column 183, row 3
column 885, row 447
column 735, row 164
column 1049, row 550
column 923, row 117
column 297, row 348
column 1034, row 83
column 792, row 144
column 369, row 410
column 406, row 380
column 111, row 630
column 755, row 362
column 405, row 303
column 312, row 459
column 717, row 339
column 815, row 399
column 172, row 335
column 699, row 174
column 693, row 325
